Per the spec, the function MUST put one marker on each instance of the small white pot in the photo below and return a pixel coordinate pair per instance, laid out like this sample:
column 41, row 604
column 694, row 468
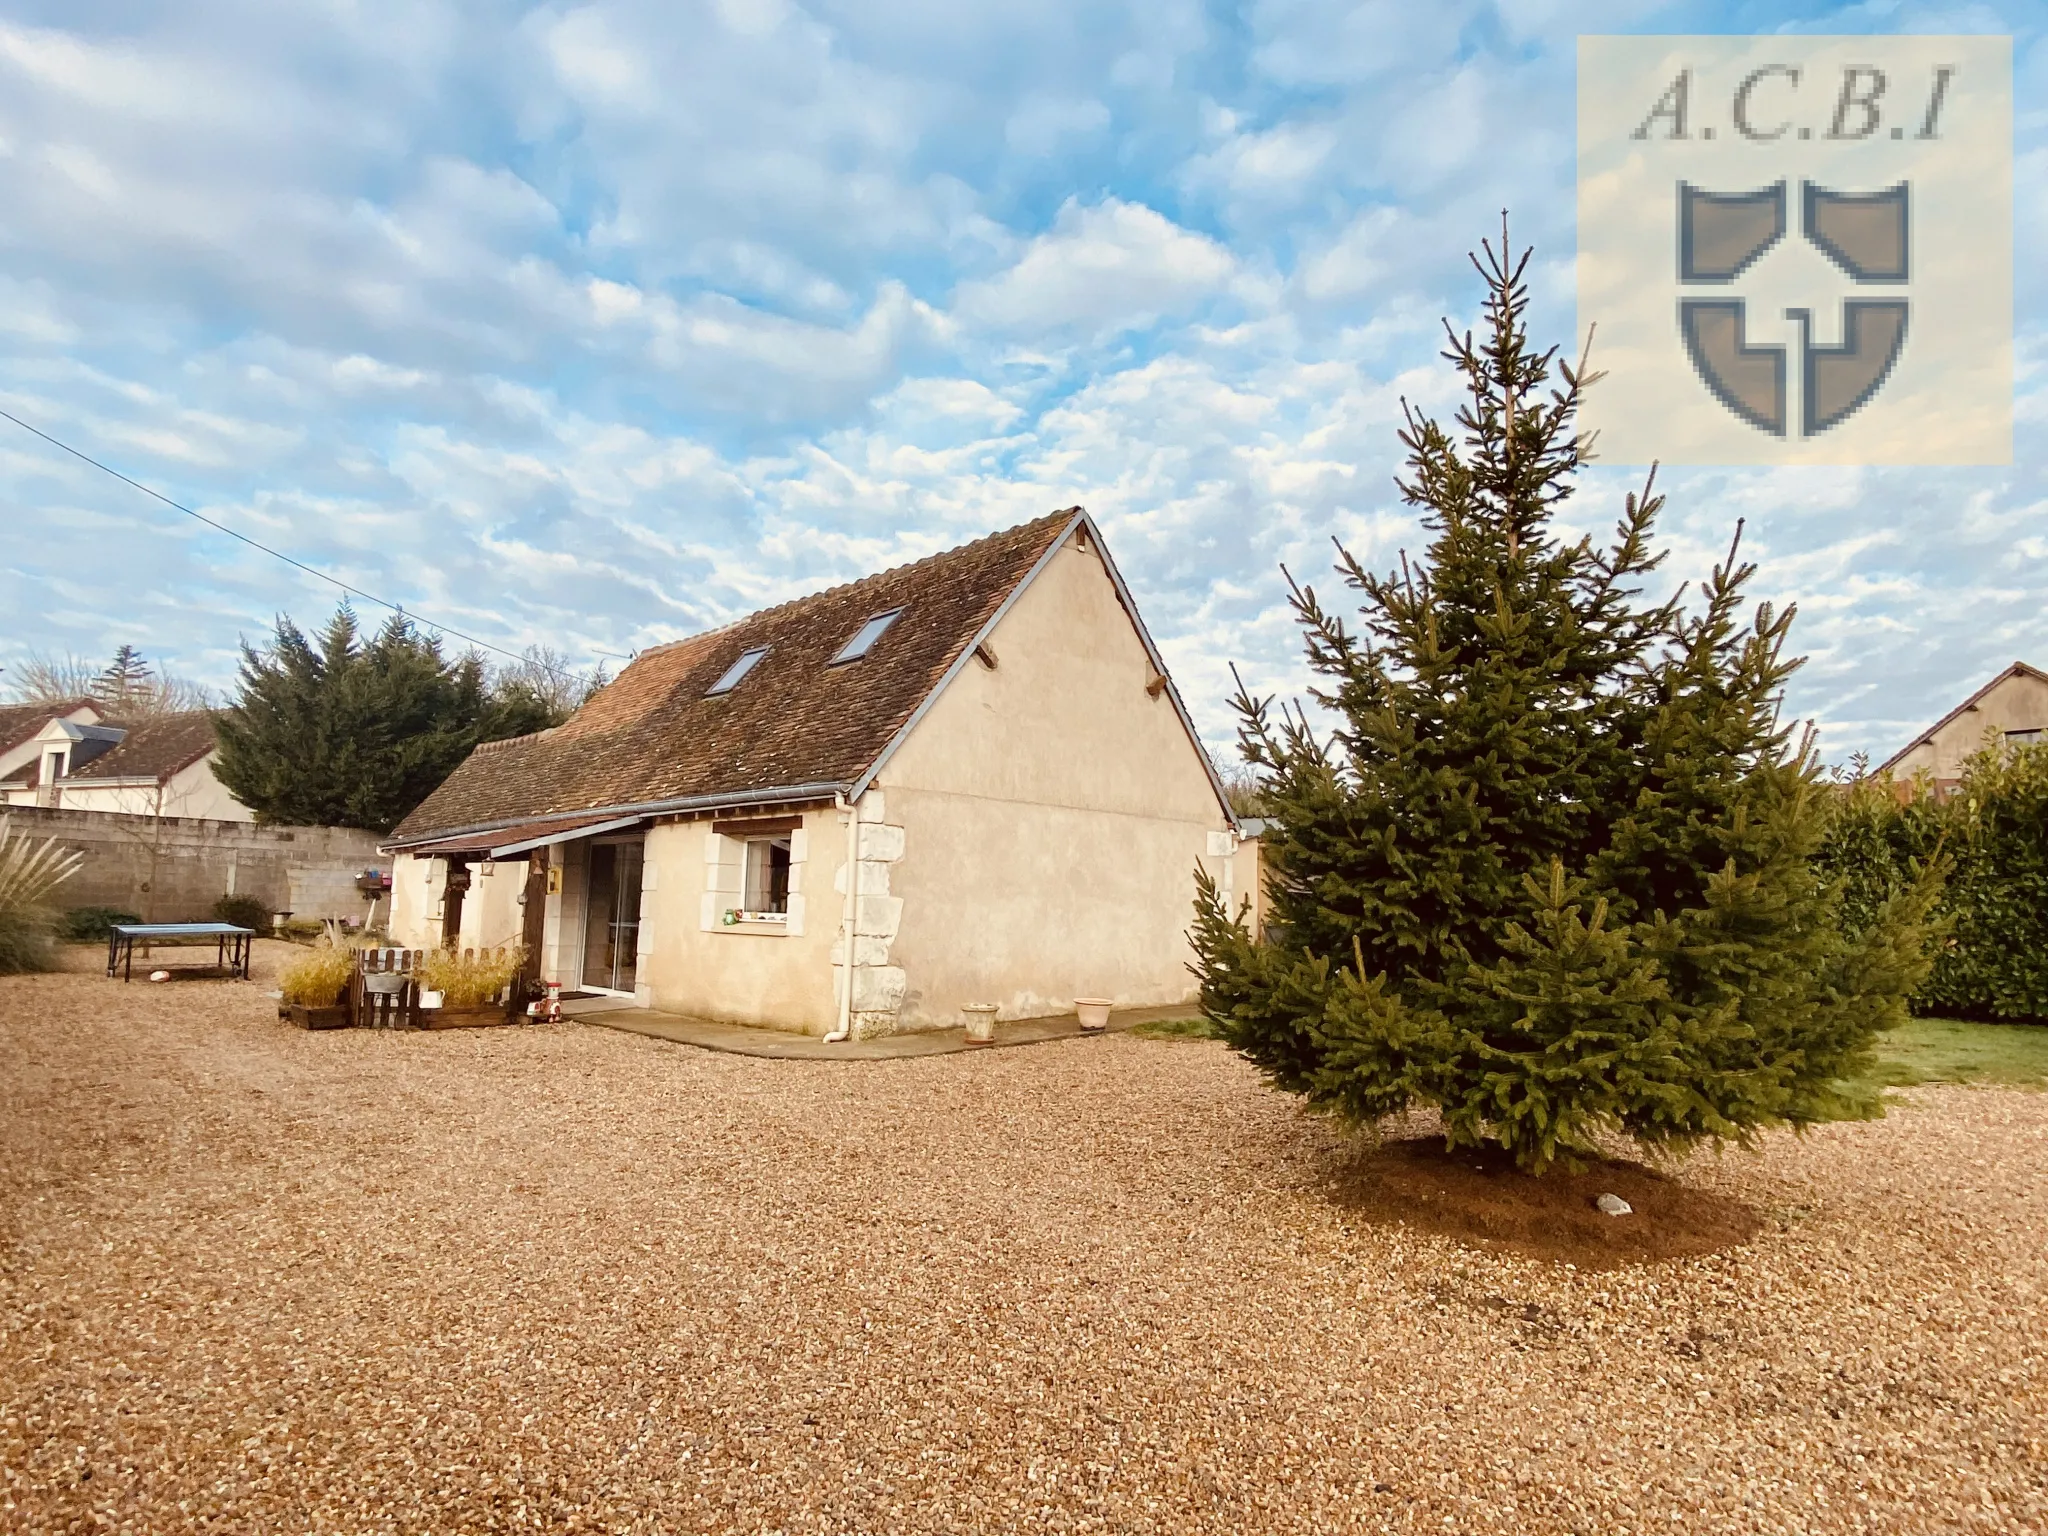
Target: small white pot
column 431, row 999
column 981, row 1023
column 1093, row 1012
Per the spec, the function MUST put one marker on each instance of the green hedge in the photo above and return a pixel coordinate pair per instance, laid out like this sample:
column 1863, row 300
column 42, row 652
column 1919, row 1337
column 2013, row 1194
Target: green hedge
column 90, row 925
column 243, row 912
column 1993, row 833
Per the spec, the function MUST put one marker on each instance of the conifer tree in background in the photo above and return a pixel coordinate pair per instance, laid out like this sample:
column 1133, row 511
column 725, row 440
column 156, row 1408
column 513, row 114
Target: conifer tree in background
column 355, row 732
column 1551, row 874
column 126, row 679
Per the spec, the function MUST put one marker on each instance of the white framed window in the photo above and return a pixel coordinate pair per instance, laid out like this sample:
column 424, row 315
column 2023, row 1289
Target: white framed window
column 2023, row 738
column 754, row 876
column 865, row 637
column 742, row 664
column 765, row 877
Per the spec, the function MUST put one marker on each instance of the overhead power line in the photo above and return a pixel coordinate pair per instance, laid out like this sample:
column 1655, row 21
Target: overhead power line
column 278, row 554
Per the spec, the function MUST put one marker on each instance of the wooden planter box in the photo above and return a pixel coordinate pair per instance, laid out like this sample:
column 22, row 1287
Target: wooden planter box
column 465, row 1018
column 336, row 1017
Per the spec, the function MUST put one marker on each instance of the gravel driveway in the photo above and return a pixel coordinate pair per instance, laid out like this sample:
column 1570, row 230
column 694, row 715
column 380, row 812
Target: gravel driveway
column 562, row 1278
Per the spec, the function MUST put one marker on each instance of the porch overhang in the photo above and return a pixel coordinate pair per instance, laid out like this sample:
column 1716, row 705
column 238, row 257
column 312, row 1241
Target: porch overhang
column 504, row 842
column 549, row 839
column 509, row 837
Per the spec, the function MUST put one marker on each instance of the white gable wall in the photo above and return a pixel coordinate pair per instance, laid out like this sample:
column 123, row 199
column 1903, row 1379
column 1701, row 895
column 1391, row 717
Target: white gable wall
column 1053, row 812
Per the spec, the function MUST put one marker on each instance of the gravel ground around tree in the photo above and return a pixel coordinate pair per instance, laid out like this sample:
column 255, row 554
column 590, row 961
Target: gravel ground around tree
column 563, row 1278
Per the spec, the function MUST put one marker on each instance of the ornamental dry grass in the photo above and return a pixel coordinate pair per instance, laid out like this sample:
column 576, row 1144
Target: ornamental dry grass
column 560, row 1278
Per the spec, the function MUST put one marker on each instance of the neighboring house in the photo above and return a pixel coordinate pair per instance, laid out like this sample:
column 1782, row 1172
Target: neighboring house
column 77, row 761
column 2011, row 709
column 21, row 750
column 967, row 780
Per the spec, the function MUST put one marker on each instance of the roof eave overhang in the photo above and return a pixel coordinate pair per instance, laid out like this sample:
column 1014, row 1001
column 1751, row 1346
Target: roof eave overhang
column 750, row 799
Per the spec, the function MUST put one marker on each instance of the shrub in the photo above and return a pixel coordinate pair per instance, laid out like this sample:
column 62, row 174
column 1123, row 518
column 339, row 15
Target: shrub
column 1995, row 964
column 1552, row 872
column 92, row 925
column 243, row 912
column 1992, row 961
column 469, row 980
column 26, row 944
column 29, row 872
column 316, row 978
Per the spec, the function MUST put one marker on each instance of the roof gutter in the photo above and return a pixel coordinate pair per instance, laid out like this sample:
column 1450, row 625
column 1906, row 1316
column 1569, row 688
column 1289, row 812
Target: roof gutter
column 731, row 799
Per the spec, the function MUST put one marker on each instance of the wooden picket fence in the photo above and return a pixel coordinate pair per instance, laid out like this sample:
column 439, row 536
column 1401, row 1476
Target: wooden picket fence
column 388, row 1006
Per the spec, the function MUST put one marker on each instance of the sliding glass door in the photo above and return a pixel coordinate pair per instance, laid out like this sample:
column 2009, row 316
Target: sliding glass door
column 611, row 932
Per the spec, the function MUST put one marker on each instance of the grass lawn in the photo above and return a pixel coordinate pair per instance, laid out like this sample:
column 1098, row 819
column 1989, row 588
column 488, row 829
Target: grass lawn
column 1920, row 1051
column 1957, row 1051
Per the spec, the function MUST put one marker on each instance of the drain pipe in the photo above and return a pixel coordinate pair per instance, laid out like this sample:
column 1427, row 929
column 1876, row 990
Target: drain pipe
column 848, row 917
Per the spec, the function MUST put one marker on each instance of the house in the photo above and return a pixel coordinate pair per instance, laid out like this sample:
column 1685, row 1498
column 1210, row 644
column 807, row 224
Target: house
column 967, row 780
column 21, row 752
column 2012, row 708
column 68, row 756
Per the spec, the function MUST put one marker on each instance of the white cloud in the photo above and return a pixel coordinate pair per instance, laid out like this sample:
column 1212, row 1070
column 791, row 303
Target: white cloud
column 617, row 320
column 1273, row 167
column 1110, row 267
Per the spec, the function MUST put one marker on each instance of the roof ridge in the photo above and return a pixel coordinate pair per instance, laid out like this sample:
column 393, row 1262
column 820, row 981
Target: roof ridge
column 887, row 573
column 502, row 742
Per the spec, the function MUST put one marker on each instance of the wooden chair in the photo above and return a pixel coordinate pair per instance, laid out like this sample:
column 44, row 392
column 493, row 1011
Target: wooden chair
column 395, row 1008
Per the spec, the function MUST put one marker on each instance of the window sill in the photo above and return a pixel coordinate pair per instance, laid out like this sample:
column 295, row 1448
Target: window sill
column 756, row 922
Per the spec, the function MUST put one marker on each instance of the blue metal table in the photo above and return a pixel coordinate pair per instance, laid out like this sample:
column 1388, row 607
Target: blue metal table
column 231, row 944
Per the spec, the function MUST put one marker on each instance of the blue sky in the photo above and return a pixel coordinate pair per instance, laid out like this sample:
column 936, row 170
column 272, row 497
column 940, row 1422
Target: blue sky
column 596, row 325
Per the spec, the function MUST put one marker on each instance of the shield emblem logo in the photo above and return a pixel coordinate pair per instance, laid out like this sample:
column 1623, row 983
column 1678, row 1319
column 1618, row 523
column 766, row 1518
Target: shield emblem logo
column 1722, row 235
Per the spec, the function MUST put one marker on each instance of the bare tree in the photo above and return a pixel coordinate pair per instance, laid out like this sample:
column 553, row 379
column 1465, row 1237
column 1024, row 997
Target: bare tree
column 48, row 679
column 547, row 675
column 1242, row 789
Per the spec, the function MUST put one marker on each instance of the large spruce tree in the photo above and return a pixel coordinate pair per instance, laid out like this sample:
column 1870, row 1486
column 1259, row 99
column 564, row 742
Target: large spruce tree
column 355, row 731
column 1551, row 871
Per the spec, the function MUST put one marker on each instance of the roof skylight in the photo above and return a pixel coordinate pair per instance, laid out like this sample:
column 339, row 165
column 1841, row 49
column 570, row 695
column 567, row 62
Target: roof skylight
column 741, row 666
column 865, row 637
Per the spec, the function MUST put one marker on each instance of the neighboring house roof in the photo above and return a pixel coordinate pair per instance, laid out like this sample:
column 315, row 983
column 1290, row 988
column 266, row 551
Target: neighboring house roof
column 795, row 728
column 89, row 743
column 18, row 722
column 81, row 743
column 154, row 749
column 1926, row 737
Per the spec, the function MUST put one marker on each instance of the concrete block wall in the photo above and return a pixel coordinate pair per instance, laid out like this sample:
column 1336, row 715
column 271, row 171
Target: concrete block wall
column 174, row 868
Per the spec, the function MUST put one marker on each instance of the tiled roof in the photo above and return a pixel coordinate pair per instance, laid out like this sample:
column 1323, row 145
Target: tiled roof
column 653, row 736
column 18, row 722
column 154, row 748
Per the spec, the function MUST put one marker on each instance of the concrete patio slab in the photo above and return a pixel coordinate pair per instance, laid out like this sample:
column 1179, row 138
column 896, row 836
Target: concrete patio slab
column 747, row 1040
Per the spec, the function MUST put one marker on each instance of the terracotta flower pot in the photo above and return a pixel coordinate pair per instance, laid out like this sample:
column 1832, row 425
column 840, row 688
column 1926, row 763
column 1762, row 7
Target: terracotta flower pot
column 1093, row 1012
column 981, row 1023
